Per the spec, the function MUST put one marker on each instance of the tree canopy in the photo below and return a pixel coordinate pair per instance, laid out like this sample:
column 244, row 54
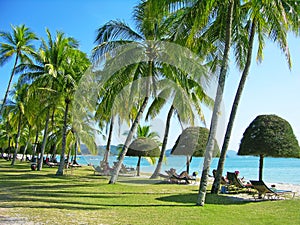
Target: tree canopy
column 269, row 135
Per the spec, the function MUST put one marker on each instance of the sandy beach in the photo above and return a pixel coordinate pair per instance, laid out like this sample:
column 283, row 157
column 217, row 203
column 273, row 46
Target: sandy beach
column 292, row 187
column 295, row 188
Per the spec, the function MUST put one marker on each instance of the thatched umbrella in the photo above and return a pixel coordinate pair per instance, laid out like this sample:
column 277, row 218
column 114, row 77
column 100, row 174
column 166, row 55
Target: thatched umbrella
column 143, row 147
column 269, row 135
column 192, row 142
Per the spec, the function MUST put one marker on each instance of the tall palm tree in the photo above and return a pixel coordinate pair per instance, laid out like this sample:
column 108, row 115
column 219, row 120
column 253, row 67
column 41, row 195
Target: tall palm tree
column 17, row 110
column 17, row 43
column 73, row 69
column 117, row 41
column 217, row 106
column 208, row 26
column 116, row 34
column 266, row 19
column 58, row 69
column 187, row 95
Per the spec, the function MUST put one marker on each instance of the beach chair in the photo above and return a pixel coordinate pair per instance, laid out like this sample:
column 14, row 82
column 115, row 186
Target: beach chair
column 49, row 163
column 100, row 171
column 236, row 183
column 124, row 170
column 263, row 191
column 179, row 178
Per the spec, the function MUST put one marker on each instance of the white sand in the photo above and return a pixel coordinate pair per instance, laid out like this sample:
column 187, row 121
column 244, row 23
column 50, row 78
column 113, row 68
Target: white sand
column 283, row 186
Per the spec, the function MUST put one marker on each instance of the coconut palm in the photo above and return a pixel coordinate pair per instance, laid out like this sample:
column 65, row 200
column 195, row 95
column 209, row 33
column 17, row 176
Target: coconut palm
column 266, row 19
column 209, row 22
column 115, row 35
column 187, row 94
column 143, row 55
column 7, row 131
column 73, row 69
column 44, row 75
column 17, row 43
column 16, row 110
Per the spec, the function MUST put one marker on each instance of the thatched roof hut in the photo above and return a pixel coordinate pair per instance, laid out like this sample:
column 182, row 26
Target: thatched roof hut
column 143, row 147
column 192, row 141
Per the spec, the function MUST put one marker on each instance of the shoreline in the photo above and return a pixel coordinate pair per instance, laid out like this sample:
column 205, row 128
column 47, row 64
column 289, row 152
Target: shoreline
column 280, row 186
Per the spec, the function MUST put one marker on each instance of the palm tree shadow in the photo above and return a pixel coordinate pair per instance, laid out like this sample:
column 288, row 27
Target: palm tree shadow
column 210, row 199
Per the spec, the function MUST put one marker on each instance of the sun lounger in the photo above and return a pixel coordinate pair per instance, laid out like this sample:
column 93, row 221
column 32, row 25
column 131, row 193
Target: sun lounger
column 125, row 171
column 178, row 178
column 263, row 191
column 51, row 164
column 236, row 184
column 99, row 171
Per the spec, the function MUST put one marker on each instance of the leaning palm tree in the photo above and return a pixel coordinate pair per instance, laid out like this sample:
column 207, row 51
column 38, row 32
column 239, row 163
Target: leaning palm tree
column 274, row 26
column 141, row 56
column 209, row 25
column 17, row 43
column 187, row 96
column 115, row 35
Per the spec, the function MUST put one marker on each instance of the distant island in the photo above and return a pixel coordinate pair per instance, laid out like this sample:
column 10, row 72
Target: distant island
column 114, row 151
column 231, row 154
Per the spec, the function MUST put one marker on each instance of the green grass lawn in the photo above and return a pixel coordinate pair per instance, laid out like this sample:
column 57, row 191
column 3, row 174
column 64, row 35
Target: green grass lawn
column 79, row 197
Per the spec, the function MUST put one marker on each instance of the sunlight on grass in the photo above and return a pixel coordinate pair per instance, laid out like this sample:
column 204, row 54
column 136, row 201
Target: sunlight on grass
column 82, row 198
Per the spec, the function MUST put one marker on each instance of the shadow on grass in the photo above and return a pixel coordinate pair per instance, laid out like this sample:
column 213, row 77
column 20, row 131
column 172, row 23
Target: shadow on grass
column 142, row 181
column 210, row 199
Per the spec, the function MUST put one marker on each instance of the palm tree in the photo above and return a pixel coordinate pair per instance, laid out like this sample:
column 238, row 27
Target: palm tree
column 16, row 111
column 58, row 69
column 207, row 26
column 187, row 94
column 144, row 54
column 73, row 69
column 270, row 19
column 17, row 43
column 117, row 34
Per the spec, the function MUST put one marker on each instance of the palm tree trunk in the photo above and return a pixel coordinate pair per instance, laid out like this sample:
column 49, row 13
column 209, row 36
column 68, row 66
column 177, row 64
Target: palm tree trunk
column 164, row 144
column 9, row 83
column 60, row 170
column 17, row 141
column 106, row 155
column 116, row 171
column 40, row 165
column 138, row 167
column 8, row 148
column 217, row 181
column 75, row 153
column 134, row 125
column 54, row 151
column 68, row 158
column 216, row 111
column 188, row 163
column 27, row 143
column 261, row 165
column 35, row 144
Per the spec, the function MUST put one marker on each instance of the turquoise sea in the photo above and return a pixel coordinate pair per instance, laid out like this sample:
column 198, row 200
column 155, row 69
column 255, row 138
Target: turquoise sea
column 277, row 170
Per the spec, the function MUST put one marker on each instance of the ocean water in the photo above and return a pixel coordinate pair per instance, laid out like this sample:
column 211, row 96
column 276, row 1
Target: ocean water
column 275, row 170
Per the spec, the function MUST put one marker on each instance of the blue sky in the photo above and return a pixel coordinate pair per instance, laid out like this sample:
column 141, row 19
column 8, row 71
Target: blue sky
column 270, row 89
